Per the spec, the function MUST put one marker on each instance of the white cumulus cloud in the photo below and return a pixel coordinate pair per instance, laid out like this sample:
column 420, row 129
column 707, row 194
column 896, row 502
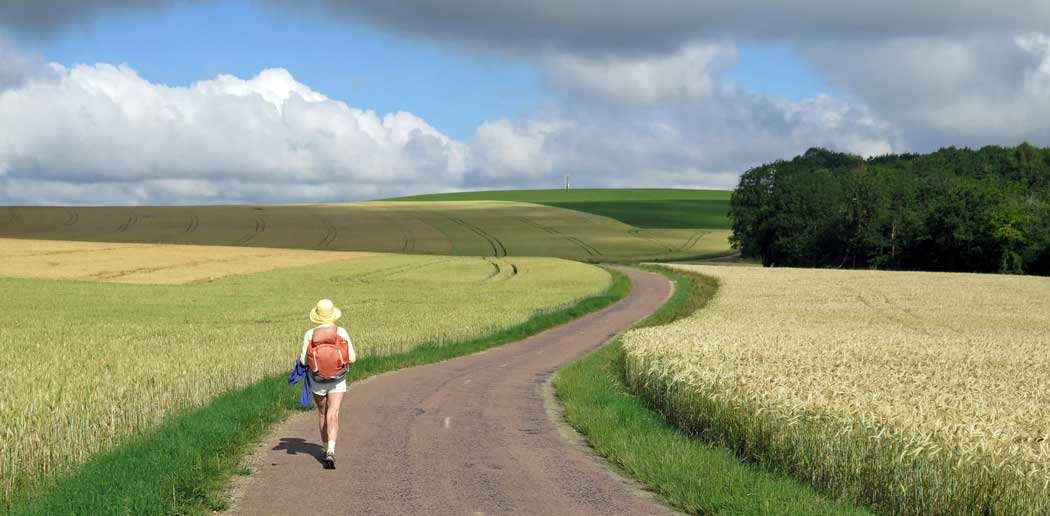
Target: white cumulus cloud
column 665, row 119
column 225, row 139
column 102, row 134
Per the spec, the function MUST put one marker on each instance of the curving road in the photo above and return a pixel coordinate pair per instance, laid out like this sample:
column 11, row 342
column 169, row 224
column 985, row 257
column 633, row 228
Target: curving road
column 470, row 436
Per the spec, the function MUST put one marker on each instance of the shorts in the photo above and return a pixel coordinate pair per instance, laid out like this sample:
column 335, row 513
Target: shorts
column 323, row 388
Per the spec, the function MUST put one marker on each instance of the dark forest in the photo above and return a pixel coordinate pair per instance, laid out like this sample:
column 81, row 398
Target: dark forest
column 985, row 210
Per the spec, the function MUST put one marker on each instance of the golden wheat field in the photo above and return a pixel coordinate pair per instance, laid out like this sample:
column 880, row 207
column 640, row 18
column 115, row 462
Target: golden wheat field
column 148, row 263
column 84, row 364
column 918, row 393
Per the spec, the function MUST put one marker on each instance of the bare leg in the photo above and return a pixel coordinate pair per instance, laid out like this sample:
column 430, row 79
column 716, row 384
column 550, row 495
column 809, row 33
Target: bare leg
column 335, row 399
column 322, row 411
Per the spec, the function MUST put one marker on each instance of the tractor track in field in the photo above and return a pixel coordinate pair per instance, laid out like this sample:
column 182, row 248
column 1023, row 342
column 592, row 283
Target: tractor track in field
column 495, row 269
column 590, row 249
column 408, row 242
column 890, row 309
column 478, row 434
column 133, row 218
column 587, row 248
column 408, row 239
column 659, row 246
column 498, row 249
column 437, row 228
column 112, row 275
column 692, row 240
column 539, row 226
column 498, row 270
column 260, row 227
column 193, row 224
column 887, row 312
column 330, row 234
column 72, row 217
column 387, row 272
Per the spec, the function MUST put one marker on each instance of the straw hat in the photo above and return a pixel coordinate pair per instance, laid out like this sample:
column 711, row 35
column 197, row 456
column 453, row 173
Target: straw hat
column 325, row 312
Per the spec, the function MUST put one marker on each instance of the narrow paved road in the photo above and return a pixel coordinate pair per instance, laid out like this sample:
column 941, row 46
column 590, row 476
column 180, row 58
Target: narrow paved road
column 468, row 436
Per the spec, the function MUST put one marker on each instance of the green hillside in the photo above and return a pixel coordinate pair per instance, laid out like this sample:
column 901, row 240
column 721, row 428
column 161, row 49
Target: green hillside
column 640, row 207
column 466, row 228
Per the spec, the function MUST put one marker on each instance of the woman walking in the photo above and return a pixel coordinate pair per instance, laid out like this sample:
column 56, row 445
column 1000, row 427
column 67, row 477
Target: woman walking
column 327, row 354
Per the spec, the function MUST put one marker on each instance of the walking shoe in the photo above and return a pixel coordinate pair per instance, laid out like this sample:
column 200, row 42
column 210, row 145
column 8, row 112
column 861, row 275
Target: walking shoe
column 329, row 460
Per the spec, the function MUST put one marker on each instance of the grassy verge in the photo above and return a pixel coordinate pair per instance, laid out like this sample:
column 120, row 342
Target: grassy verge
column 691, row 293
column 181, row 466
column 691, row 475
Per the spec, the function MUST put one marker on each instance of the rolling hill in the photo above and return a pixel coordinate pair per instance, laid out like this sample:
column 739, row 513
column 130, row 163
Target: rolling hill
column 640, row 207
column 475, row 228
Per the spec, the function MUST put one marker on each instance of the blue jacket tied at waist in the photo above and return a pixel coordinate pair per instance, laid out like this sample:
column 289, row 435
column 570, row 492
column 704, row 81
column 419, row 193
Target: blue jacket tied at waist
column 299, row 373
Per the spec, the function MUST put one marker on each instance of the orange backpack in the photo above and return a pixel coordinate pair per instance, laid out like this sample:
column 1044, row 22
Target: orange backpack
column 328, row 356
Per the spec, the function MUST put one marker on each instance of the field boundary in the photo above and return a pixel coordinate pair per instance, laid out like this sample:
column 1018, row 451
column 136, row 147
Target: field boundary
column 692, row 476
column 184, row 464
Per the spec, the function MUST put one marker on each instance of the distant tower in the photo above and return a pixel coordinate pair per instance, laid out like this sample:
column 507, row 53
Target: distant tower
column 566, row 181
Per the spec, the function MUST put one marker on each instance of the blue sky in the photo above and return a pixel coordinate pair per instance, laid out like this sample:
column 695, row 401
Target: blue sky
column 775, row 68
column 363, row 66
column 491, row 94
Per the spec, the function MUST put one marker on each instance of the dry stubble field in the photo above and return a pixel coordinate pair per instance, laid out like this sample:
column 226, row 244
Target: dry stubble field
column 918, row 393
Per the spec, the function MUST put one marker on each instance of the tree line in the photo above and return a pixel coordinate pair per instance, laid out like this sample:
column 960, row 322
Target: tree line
column 985, row 210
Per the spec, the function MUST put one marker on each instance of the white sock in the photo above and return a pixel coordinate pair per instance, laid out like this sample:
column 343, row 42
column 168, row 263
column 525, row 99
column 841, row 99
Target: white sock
column 331, row 447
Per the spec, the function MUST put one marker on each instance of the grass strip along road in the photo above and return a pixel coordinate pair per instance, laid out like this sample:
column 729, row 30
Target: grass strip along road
column 180, row 466
column 692, row 476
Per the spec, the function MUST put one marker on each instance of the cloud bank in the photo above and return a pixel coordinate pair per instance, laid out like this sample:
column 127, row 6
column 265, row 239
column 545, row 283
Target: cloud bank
column 626, row 26
column 46, row 17
column 607, row 26
column 640, row 89
column 103, row 134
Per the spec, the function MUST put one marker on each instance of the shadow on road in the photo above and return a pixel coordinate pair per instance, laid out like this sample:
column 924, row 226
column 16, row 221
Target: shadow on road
column 296, row 445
